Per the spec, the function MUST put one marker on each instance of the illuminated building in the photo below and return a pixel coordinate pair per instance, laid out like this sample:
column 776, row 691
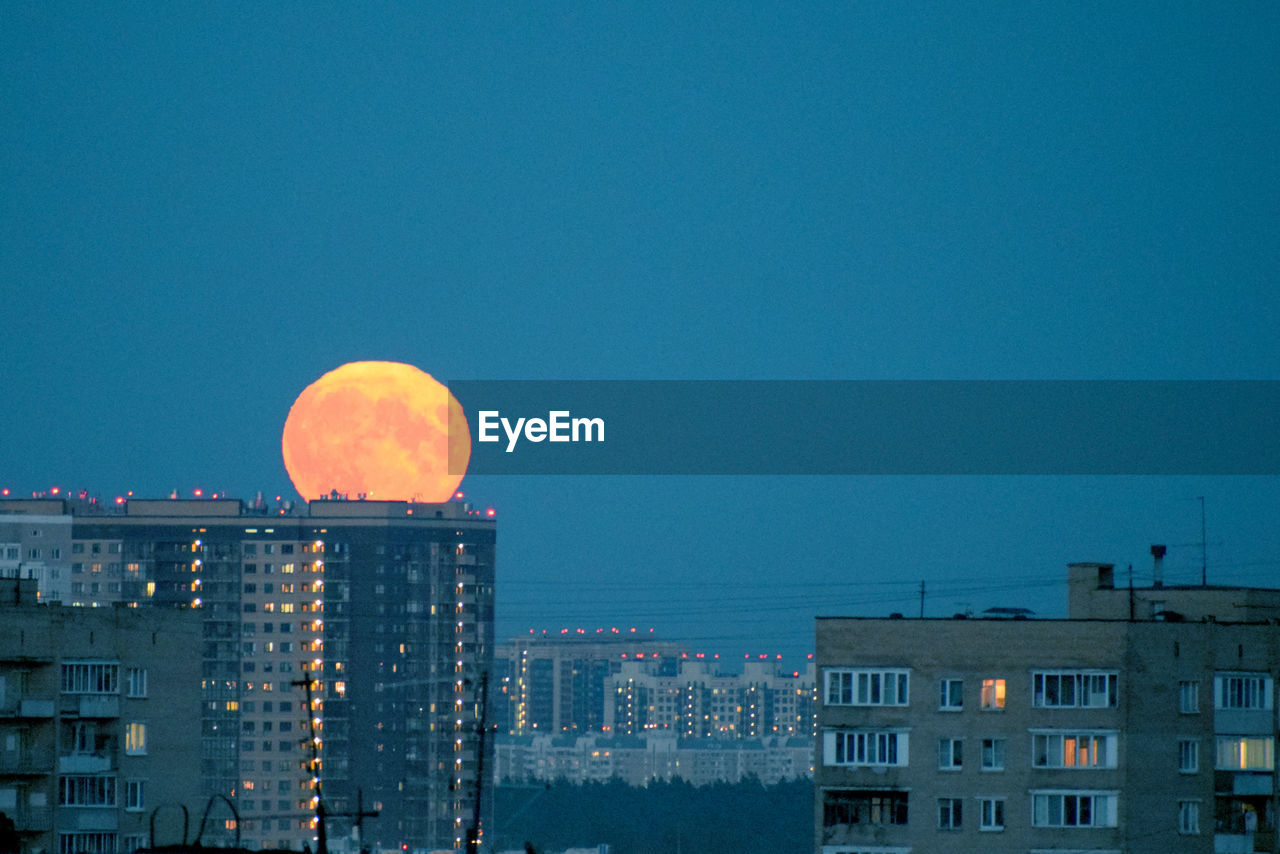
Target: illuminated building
column 627, row 683
column 96, row 712
column 388, row 606
column 1145, row 722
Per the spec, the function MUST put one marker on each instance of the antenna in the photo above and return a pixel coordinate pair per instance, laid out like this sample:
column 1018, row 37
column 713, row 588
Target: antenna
column 1204, row 549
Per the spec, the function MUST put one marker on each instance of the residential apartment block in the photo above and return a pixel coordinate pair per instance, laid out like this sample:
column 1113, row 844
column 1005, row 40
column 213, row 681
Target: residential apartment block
column 1093, row 733
column 99, row 716
column 384, row 607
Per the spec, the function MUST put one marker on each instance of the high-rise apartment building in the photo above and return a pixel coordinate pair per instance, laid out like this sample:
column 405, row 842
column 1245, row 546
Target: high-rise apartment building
column 1101, row 732
column 97, row 712
column 386, row 608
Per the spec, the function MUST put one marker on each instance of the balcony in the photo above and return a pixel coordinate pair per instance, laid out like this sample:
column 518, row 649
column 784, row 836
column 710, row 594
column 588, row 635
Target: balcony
column 88, row 818
column 90, row 705
column 84, row 763
column 33, row 820
column 20, row 762
column 18, row 708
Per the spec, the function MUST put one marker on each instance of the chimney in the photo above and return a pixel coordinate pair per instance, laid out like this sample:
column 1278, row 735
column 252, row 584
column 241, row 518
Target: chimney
column 1157, row 569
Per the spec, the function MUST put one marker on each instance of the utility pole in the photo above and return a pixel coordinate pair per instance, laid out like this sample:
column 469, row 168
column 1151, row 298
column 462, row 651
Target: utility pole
column 322, row 836
column 922, row 600
column 473, row 832
column 1204, row 549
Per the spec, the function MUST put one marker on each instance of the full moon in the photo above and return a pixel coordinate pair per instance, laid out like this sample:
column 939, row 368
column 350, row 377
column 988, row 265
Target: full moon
column 384, row 430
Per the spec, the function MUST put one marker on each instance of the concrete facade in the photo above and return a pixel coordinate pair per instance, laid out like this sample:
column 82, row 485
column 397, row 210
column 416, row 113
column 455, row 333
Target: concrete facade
column 1088, row 734
column 96, row 723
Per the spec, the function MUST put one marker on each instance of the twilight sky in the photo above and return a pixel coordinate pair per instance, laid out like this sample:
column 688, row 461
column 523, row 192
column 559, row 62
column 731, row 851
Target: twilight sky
column 206, row 206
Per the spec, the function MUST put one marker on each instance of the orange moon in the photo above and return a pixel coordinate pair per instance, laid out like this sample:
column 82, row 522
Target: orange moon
column 384, row 430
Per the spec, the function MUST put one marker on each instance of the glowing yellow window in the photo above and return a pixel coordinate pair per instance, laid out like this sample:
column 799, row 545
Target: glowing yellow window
column 993, row 693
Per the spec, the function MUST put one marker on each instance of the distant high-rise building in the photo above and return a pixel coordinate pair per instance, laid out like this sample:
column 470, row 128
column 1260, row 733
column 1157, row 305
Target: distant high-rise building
column 387, row 607
column 1145, row 722
column 96, row 722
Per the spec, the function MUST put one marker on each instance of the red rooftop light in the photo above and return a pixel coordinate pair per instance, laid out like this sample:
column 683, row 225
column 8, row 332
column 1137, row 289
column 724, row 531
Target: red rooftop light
column 491, row 512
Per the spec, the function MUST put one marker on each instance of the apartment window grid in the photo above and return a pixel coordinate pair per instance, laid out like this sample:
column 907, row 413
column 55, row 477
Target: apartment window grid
column 1074, row 689
column 991, row 813
column 87, row 843
column 950, row 813
column 867, row 687
column 86, row 791
column 1189, row 697
column 1188, row 756
column 1189, row 818
column 1057, row 749
column 90, row 677
column 950, row 754
column 1073, row 809
column 1242, row 692
column 993, row 754
column 993, row 694
column 1244, row 753
column 951, row 695
column 866, row 748
column 136, row 682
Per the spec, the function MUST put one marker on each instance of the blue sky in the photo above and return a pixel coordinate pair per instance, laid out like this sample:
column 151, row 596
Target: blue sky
column 207, row 206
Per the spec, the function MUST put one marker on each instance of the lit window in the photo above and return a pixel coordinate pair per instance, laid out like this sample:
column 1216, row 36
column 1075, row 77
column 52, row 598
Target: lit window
column 1189, row 697
column 992, row 814
column 1245, row 753
column 951, row 694
column 950, row 813
column 1073, row 749
column 1188, row 756
column 993, row 693
column 950, row 754
column 1189, row 818
column 135, row 739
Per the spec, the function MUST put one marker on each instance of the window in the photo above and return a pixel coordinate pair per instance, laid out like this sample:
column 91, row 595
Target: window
column 1073, row 809
column 860, row 806
column 863, row 748
column 135, row 739
column 992, row 694
column 1188, row 756
column 133, row 799
column 951, row 695
column 87, row 791
column 1057, row 749
column 1242, row 692
column 991, row 814
column 1189, row 818
column 86, row 843
column 866, row 687
column 950, row 754
column 993, row 754
column 135, row 679
column 1084, row 689
column 1189, row 697
column 90, row 677
column 1245, row 753
column 950, row 813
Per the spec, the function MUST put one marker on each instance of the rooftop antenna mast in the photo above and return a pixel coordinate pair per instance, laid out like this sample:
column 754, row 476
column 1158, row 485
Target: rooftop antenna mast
column 322, row 841
column 1204, row 549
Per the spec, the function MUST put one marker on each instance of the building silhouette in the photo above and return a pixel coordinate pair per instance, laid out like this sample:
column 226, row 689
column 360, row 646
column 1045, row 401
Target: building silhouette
column 385, row 607
column 1100, row 732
